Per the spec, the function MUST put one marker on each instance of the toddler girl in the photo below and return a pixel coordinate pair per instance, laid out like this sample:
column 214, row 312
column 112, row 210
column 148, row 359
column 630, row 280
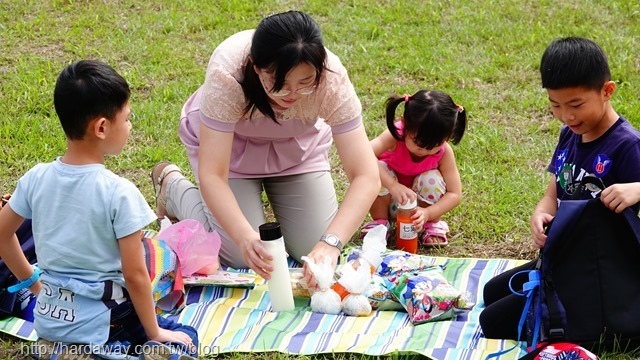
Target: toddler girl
column 416, row 161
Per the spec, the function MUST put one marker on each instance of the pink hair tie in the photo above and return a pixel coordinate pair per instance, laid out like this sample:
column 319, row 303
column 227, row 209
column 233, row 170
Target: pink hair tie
column 460, row 108
column 406, row 98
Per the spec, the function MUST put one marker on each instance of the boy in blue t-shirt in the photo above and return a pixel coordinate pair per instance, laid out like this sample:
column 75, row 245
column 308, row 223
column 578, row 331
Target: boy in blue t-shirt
column 94, row 287
column 597, row 154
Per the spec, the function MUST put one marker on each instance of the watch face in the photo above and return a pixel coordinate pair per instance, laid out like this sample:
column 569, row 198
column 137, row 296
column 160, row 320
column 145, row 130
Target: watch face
column 332, row 239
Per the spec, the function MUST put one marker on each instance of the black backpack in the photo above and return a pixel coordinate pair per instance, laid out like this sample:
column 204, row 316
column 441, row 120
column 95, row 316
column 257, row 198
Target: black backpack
column 7, row 299
column 590, row 277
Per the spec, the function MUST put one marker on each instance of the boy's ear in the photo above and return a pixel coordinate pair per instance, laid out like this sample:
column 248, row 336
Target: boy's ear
column 608, row 89
column 99, row 127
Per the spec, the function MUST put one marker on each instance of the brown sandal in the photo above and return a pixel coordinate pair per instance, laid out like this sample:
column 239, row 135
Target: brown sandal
column 158, row 174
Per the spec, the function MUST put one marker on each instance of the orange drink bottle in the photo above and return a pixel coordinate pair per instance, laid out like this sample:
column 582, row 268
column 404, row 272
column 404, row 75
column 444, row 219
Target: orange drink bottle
column 406, row 234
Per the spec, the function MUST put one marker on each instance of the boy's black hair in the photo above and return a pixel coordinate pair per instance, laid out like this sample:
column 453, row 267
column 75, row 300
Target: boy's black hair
column 574, row 62
column 431, row 117
column 280, row 43
column 85, row 90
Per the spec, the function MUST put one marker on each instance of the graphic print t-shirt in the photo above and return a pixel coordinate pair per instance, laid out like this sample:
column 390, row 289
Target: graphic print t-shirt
column 612, row 158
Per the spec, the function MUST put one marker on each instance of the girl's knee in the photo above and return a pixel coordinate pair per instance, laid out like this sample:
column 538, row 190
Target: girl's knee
column 430, row 186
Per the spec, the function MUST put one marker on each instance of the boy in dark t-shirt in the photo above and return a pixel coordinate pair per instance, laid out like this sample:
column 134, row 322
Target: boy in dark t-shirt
column 597, row 154
column 596, row 142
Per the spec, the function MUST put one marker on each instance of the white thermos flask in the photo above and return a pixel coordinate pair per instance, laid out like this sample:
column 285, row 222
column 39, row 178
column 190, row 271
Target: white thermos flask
column 280, row 283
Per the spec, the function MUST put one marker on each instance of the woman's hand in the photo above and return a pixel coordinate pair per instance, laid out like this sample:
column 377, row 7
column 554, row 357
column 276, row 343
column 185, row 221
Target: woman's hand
column 318, row 254
column 256, row 256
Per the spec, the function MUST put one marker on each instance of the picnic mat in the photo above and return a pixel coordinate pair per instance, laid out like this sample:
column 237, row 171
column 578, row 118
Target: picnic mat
column 239, row 320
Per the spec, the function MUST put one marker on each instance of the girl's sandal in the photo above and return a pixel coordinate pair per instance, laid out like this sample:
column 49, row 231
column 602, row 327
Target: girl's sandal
column 371, row 224
column 158, row 174
column 435, row 234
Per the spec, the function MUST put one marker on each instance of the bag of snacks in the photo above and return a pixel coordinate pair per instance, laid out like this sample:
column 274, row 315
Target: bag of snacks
column 397, row 262
column 380, row 297
column 427, row 296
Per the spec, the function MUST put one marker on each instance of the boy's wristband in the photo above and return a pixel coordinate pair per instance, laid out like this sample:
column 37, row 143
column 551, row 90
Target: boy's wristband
column 26, row 283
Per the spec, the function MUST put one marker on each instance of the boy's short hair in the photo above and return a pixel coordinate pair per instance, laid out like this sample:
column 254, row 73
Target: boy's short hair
column 574, row 62
column 87, row 89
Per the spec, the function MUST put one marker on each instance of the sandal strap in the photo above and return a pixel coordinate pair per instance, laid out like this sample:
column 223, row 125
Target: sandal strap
column 157, row 181
column 437, row 230
column 163, row 174
column 371, row 224
column 440, row 226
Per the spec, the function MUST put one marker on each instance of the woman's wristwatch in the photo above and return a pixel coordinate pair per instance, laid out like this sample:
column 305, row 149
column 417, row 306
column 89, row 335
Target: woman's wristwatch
column 332, row 240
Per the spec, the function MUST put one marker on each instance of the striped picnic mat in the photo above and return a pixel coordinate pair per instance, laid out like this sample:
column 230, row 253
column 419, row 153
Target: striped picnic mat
column 240, row 320
column 237, row 320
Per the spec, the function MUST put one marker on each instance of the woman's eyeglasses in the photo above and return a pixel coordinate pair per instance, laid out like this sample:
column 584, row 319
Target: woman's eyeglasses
column 307, row 90
column 268, row 84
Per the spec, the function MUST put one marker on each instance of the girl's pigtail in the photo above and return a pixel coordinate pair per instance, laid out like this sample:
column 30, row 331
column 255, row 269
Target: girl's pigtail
column 391, row 105
column 460, row 125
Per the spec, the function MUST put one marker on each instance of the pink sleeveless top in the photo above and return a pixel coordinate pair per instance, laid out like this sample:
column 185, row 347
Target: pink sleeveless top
column 400, row 161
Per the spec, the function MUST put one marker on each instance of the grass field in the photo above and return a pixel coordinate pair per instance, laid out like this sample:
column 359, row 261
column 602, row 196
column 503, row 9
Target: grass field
column 484, row 53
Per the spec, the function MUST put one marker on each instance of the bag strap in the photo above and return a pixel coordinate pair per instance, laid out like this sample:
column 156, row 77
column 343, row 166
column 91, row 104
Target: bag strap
column 531, row 290
column 555, row 310
column 556, row 313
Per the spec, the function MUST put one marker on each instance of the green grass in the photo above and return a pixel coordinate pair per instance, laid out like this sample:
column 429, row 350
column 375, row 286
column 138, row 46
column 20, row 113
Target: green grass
column 484, row 53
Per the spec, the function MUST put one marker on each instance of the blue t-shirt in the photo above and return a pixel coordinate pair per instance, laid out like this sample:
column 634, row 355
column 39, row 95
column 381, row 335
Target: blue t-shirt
column 78, row 214
column 612, row 158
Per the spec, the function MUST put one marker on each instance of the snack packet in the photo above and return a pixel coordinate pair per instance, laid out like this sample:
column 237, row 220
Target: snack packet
column 299, row 287
column 427, row 296
column 380, row 297
column 397, row 262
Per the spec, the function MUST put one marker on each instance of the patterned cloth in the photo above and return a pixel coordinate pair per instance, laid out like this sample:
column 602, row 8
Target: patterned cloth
column 239, row 320
column 164, row 271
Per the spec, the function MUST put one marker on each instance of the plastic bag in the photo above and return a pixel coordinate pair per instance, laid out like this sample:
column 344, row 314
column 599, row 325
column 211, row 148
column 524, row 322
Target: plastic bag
column 356, row 281
column 197, row 249
column 326, row 300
